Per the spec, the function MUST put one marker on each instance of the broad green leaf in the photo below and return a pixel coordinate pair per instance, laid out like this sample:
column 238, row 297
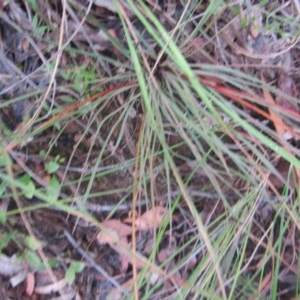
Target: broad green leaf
column 74, row 268
column 52, row 167
column 53, row 189
column 32, row 243
column 34, row 260
column 28, row 186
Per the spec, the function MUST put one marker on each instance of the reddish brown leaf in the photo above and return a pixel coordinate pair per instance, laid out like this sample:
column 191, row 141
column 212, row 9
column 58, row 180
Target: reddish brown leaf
column 30, row 283
column 114, row 231
column 152, row 218
column 287, row 86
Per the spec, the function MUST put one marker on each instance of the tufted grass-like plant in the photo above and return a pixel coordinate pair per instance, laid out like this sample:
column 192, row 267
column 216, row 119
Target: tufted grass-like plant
column 151, row 121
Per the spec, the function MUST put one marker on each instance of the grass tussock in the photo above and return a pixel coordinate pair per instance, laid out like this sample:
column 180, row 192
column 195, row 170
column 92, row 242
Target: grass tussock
column 149, row 149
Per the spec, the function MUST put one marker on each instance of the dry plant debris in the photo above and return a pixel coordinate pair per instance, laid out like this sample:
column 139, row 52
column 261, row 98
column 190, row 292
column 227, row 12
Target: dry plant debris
column 149, row 149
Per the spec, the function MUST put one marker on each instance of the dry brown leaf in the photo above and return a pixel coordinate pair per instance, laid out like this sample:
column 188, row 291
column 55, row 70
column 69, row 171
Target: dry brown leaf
column 284, row 169
column 114, row 232
column 116, row 294
column 152, row 218
column 124, row 264
column 126, row 256
column 254, row 20
column 190, row 265
column 142, row 262
column 164, row 256
column 287, row 85
column 51, row 288
column 165, row 253
column 149, row 244
column 276, row 119
column 30, row 283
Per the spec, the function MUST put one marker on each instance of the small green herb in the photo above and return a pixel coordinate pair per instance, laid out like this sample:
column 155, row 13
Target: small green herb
column 75, row 267
column 28, row 186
